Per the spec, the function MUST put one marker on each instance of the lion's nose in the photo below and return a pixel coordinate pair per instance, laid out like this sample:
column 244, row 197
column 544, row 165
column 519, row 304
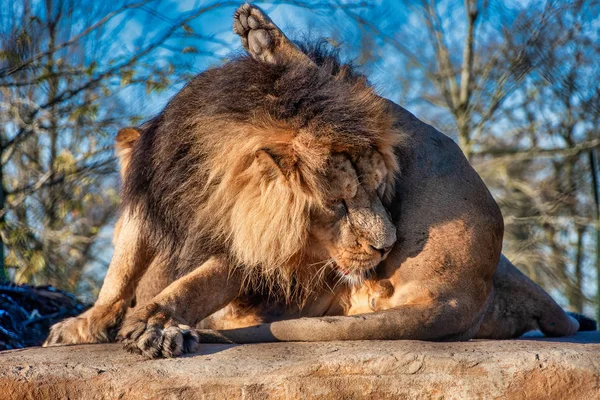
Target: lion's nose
column 382, row 250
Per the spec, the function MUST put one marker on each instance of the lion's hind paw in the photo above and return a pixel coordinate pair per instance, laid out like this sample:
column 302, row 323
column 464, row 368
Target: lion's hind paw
column 257, row 31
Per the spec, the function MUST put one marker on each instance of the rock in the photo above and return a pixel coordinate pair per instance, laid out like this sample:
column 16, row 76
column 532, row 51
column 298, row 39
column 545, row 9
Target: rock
column 529, row 368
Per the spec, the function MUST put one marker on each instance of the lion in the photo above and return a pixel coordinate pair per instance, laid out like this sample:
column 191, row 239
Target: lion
column 277, row 197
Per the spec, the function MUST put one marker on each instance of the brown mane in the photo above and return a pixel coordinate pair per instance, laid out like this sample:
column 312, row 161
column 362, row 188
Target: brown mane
column 193, row 178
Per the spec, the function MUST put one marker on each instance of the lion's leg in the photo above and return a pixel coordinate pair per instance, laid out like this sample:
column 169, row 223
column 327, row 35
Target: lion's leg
column 162, row 327
column 100, row 323
column 263, row 40
column 519, row 305
column 435, row 322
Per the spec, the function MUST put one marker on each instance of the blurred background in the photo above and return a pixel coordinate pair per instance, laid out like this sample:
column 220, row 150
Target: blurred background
column 515, row 83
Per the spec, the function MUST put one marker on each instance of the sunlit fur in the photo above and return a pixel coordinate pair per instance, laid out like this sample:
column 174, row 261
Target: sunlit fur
column 236, row 164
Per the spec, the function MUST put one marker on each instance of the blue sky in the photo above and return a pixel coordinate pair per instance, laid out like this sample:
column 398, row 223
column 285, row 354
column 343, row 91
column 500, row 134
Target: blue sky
column 295, row 21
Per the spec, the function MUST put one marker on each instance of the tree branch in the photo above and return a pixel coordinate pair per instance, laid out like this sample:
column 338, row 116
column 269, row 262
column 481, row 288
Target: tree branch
column 73, row 40
column 521, row 155
column 468, row 55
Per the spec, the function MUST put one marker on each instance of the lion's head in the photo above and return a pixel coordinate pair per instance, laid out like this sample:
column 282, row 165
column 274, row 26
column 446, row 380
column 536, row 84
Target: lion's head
column 353, row 229
column 286, row 169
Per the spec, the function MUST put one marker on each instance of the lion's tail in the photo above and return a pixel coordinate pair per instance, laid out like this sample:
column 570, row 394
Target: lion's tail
column 585, row 323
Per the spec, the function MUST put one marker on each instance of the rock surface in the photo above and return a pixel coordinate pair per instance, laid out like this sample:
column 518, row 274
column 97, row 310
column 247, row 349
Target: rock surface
column 531, row 368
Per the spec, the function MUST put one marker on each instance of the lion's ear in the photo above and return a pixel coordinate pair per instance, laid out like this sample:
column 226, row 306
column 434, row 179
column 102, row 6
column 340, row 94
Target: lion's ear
column 126, row 138
column 270, row 164
column 124, row 142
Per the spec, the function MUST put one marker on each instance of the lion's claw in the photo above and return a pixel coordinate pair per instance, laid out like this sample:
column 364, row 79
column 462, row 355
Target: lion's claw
column 97, row 325
column 153, row 334
column 69, row 331
column 158, row 341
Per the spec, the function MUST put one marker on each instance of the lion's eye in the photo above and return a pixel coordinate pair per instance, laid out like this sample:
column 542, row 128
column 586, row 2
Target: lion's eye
column 340, row 208
column 345, row 206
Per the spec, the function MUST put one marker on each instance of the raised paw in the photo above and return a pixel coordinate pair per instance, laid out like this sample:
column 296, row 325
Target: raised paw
column 97, row 325
column 153, row 333
column 258, row 33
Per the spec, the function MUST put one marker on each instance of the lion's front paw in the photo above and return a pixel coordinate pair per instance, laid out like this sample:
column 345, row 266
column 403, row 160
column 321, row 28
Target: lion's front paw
column 97, row 325
column 153, row 333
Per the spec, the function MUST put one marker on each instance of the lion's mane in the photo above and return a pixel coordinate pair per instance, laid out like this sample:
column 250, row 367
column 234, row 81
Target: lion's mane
column 193, row 181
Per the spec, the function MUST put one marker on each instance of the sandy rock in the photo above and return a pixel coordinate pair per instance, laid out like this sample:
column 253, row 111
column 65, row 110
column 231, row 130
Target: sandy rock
column 533, row 368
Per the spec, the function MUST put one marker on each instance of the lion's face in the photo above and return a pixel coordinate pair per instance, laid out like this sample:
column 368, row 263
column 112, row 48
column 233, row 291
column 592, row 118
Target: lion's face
column 354, row 232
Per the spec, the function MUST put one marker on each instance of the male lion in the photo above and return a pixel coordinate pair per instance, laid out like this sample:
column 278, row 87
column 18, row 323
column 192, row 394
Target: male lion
column 277, row 197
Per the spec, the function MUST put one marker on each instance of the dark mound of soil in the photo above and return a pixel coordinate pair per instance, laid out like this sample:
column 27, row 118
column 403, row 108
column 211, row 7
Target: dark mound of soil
column 27, row 312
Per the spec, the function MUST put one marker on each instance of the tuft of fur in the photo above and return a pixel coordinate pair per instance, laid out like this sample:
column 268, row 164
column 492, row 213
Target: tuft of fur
column 124, row 142
column 236, row 162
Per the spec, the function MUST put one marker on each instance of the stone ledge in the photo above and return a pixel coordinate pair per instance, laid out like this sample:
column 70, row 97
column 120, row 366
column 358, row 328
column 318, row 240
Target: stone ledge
column 529, row 368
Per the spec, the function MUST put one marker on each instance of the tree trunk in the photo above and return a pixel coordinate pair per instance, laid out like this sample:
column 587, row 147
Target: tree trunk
column 593, row 157
column 575, row 294
column 464, row 137
column 3, row 274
